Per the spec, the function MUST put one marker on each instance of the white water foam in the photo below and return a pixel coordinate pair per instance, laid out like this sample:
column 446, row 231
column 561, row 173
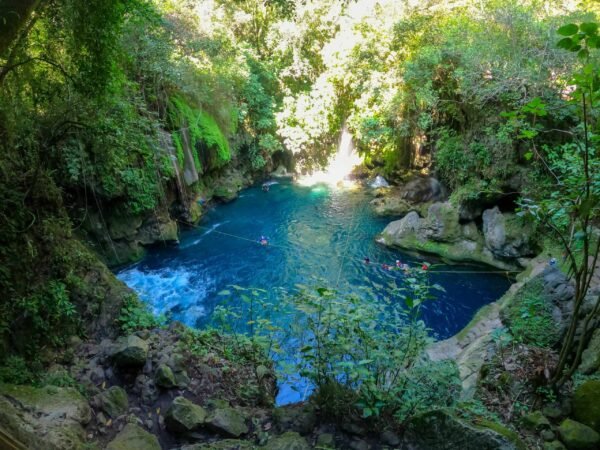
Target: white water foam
column 170, row 290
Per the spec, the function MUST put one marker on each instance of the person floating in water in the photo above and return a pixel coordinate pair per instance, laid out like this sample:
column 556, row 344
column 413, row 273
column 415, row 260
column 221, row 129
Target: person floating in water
column 367, row 260
column 263, row 241
column 425, row 266
column 386, row 267
column 265, row 187
column 398, row 264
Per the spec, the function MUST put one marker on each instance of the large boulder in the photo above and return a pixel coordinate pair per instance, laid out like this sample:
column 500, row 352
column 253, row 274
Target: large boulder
column 49, row 418
column 577, row 436
column 227, row 421
column 590, row 358
column 392, row 205
column 131, row 352
column 132, row 437
column 301, row 418
column 506, row 236
column 158, row 229
column 441, row 430
column 441, row 223
column 184, row 416
column 164, row 377
column 586, row 404
column 287, row 441
column 423, row 189
column 113, row 401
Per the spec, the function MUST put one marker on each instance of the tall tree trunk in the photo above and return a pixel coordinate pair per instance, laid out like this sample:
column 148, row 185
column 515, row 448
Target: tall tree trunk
column 13, row 16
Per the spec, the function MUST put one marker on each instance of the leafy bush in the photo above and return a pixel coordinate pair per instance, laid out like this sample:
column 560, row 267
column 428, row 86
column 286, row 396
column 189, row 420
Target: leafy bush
column 136, row 315
column 14, row 369
column 362, row 356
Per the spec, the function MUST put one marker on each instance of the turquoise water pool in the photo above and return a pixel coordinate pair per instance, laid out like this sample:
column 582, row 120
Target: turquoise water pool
column 312, row 232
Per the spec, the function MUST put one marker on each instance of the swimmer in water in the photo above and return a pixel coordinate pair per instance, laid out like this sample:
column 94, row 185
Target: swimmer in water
column 367, row 260
column 263, row 241
column 265, row 187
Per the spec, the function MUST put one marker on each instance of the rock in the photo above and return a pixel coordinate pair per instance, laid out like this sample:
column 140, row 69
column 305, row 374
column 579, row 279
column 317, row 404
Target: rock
column 280, row 172
column 144, row 386
column 378, row 182
column 133, row 437
column 325, row 440
column 442, row 430
column 506, row 236
column 287, row 441
column 182, row 380
column 423, row 189
column 262, row 372
column 392, row 205
column 113, row 401
column 158, row 229
column 390, row 438
column 227, row 421
column 226, row 444
column 48, row 418
column 548, row 435
column 131, row 352
column 577, row 436
column 553, row 411
column 554, row 445
column 441, row 223
column 300, row 418
column 535, row 421
column 358, row 444
column 586, row 404
column 590, row 358
column 164, row 377
column 184, row 416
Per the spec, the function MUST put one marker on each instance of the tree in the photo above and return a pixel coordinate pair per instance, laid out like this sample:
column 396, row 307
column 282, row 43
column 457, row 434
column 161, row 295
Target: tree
column 570, row 205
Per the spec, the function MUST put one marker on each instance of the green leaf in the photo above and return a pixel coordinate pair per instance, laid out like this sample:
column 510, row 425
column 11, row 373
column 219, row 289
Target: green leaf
column 589, row 28
column 565, row 43
column 568, row 30
column 583, row 53
column 528, row 156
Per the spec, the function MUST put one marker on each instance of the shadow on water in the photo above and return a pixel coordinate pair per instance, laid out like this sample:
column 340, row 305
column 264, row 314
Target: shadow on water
column 312, row 232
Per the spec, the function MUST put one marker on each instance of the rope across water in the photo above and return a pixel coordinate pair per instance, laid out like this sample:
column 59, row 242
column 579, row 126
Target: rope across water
column 344, row 256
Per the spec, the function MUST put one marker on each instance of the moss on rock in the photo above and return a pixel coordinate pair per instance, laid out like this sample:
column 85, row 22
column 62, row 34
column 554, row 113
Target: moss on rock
column 586, row 404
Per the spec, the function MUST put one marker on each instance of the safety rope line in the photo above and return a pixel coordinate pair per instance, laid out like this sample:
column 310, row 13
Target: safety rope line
column 344, row 256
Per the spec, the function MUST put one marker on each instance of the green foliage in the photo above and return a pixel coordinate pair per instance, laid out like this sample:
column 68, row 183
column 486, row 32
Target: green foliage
column 14, row 369
column 200, row 129
column 135, row 315
column 362, row 356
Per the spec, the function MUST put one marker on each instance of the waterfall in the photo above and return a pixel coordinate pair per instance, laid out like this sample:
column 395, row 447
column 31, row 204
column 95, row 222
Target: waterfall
column 340, row 166
column 167, row 143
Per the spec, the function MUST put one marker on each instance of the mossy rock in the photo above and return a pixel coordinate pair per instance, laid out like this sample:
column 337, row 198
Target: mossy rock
column 299, row 418
column 228, row 422
column 554, row 445
column 132, row 437
column 535, row 421
column 586, row 404
column 442, row 429
column 287, row 441
column 226, row 444
column 113, row 401
column 184, row 416
column 48, row 418
column 164, row 377
column 131, row 352
column 577, row 436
